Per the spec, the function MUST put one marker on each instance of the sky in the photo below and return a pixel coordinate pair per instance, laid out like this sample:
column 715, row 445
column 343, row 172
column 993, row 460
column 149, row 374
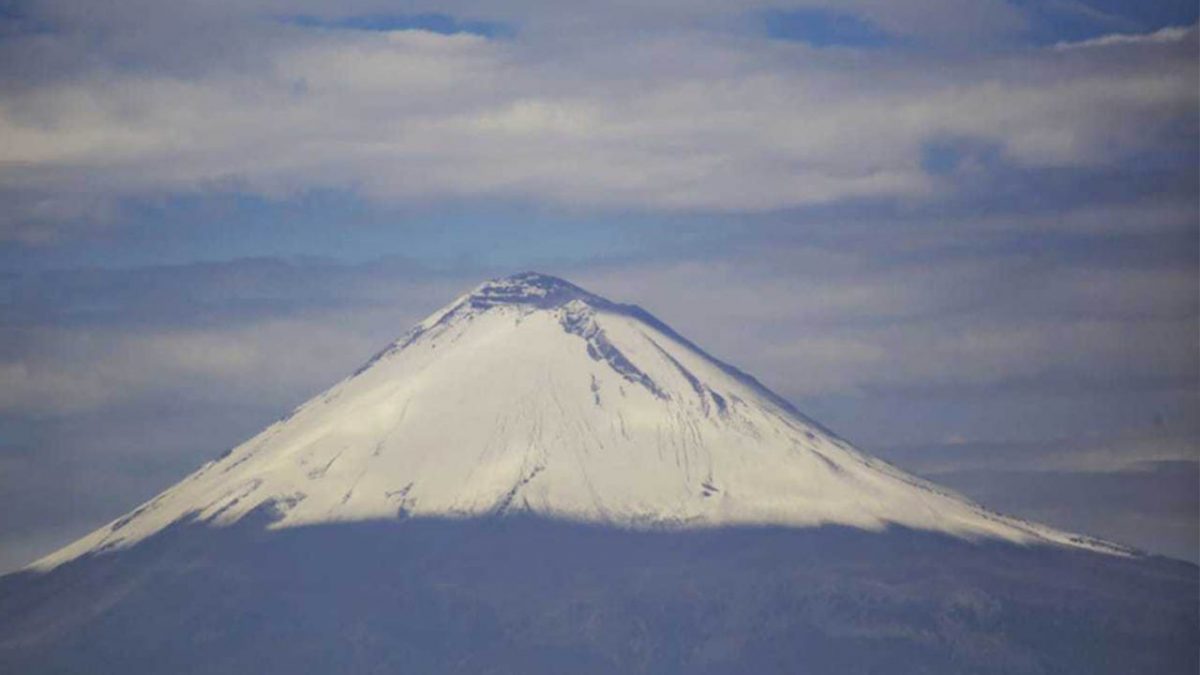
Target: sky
column 964, row 234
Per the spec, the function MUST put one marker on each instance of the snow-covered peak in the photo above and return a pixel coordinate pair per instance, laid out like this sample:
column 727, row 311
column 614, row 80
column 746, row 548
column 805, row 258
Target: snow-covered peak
column 531, row 289
column 530, row 394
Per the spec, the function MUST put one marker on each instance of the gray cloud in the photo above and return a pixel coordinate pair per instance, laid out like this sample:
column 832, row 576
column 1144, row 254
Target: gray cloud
column 820, row 322
column 1146, row 505
column 246, row 331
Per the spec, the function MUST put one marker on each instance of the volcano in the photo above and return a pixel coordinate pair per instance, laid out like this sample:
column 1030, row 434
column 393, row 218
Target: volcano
column 537, row 479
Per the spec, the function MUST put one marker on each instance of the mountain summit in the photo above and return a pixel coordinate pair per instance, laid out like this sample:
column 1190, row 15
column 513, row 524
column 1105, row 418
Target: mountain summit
column 532, row 395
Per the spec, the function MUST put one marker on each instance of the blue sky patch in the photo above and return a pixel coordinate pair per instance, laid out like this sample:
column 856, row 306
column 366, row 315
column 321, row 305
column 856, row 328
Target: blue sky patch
column 823, row 28
column 946, row 156
column 1053, row 22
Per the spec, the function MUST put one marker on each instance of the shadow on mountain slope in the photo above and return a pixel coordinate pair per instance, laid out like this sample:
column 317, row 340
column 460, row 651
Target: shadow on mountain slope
column 525, row 595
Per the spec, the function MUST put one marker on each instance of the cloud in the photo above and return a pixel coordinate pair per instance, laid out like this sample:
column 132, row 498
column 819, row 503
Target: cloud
column 814, row 321
column 818, row 322
column 942, row 20
column 689, row 119
column 72, row 371
column 1162, row 36
column 250, row 331
column 1144, row 506
column 1132, row 450
column 36, row 217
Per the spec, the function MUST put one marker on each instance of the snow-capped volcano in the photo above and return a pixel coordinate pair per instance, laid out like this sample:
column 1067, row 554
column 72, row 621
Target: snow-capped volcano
column 530, row 394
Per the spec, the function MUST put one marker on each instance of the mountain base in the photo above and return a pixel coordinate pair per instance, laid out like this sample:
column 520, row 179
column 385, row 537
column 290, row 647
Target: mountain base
column 527, row 595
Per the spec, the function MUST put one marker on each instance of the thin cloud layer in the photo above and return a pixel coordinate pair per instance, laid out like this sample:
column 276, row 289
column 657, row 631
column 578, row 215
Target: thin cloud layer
column 811, row 321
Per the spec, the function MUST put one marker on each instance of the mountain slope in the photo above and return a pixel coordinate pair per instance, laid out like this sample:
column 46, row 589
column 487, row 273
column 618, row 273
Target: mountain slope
column 530, row 394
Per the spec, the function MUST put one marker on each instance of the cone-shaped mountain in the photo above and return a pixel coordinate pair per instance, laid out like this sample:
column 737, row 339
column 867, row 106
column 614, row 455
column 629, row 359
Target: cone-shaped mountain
column 532, row 395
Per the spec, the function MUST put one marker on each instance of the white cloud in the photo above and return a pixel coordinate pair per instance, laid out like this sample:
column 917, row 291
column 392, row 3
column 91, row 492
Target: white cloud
column 71, row 371
column 685, row 119
column 1162, row 36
